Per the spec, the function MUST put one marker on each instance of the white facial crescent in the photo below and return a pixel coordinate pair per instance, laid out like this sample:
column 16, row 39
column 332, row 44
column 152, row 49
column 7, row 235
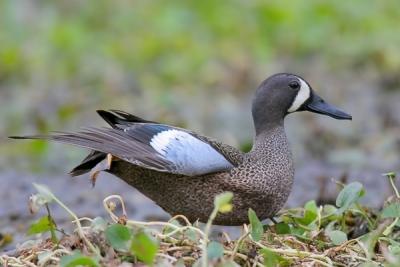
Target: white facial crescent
column 302, row 96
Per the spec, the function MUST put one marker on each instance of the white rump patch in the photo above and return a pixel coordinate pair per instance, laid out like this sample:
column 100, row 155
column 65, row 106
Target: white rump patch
column 190, row 155
column 301, row 97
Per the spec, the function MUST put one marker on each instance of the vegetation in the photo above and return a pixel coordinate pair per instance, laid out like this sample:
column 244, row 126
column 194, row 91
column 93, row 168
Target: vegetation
column 61, row 60
column 346, row 234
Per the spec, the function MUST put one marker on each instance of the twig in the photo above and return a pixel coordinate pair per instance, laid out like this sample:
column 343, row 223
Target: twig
column 79, row 226
column 238, row 243
column 293, row 252
column 207, row 229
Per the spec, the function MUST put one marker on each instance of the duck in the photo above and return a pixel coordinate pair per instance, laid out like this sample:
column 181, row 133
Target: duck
column 182, row 171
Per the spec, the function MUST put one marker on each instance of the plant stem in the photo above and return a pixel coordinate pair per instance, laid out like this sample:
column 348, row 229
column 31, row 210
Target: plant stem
column 52, row 225
column 389, row 229
column 80, row 231
column 371, row 225
column 238, row 243
column 396, row 191
column 207, row 229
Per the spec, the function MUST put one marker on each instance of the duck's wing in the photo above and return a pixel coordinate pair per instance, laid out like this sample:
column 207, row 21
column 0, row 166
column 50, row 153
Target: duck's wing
column 231, row 153
column 155, row 146
column 118, row 119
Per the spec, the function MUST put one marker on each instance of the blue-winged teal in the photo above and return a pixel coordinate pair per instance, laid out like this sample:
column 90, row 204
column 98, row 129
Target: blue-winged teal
column 182, row 171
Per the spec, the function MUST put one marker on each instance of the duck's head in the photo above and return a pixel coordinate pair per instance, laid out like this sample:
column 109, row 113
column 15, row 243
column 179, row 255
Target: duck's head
column 284, row 93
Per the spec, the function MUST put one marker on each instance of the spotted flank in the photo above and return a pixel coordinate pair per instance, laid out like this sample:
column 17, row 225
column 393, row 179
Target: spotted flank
column 302, row 96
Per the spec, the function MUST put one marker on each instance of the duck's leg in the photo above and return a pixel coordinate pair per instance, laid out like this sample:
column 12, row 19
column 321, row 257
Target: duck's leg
column 104, row 165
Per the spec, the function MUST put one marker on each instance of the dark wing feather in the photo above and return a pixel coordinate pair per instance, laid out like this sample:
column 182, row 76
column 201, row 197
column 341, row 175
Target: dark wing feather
column 88, row 163
column 119, row 144
column 120, row 119
column 150, row 145
column 117, row 119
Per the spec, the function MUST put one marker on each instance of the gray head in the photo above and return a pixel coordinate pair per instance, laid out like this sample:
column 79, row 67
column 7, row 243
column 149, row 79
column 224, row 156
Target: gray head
column 285, row 93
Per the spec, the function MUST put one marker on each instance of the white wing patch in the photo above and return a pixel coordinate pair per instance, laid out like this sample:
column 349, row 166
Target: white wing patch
column 190, row 155
column 301, row 97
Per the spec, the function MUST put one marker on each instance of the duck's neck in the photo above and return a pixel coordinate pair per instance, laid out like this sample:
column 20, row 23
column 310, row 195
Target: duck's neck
column 269, row 141
column 267, row 126
column 266, row 118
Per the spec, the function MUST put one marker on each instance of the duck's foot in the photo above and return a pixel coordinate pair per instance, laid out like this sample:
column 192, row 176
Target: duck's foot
column 103, row 165
column 109, row 161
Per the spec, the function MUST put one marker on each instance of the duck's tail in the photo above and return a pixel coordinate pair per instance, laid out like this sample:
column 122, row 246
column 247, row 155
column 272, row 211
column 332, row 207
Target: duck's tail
column 115, row 118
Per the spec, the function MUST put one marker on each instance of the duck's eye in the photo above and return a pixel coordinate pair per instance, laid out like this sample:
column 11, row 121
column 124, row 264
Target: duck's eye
column 294, row 85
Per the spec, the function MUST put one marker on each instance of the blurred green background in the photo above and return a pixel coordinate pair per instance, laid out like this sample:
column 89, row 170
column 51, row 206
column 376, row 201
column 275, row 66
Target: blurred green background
column 196, row 64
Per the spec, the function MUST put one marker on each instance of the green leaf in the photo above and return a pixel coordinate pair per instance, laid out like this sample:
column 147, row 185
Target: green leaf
column 328, row 210
column 272, row 259
column 282, row 228
column 256, row 226
column 297, row 231
column 98, row 224
column 77, row 259
column 391, row 211
column 118, row 236
column 215, row 250
column 168, row 229
column 349, row 195
column 192, row 235
column 337, row 237
column 42, row 225
column 308, row 218
column 223, row 202
column 144, row 247
column 311, row 206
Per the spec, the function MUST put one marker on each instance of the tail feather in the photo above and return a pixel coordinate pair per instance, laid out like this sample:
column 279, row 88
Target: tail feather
column 103, row 141
column 109, row 141
column 23, row 137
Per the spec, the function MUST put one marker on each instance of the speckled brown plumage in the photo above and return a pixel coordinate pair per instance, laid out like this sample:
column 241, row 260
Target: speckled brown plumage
column 262, row 181
column 183, row 171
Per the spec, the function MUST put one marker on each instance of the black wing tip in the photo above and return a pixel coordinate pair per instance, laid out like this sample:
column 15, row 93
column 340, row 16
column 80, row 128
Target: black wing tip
column 21, row 137
column 31, row 137
column 109, row 117
column 112, row 112
column 74, row 172
column 106, row 115
column 114, row 117
column 102, row 111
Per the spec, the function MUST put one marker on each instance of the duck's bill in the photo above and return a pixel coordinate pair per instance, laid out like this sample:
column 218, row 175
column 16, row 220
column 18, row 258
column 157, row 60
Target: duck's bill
column 317, row 105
